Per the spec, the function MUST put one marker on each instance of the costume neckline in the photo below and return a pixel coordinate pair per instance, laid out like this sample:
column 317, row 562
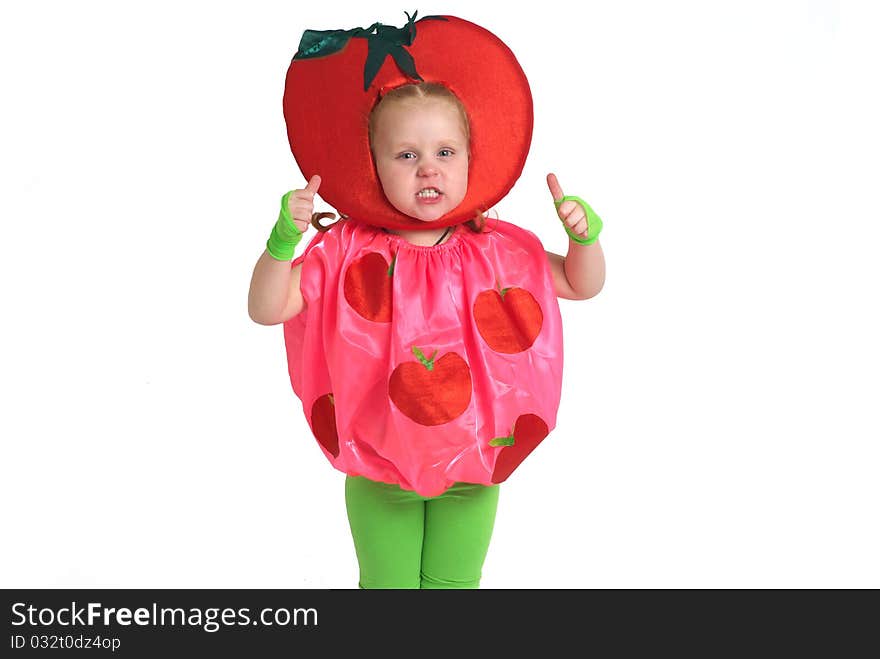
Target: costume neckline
column 403, row 243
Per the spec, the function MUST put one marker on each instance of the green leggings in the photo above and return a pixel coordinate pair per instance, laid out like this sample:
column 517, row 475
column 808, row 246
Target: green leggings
column 403, row 540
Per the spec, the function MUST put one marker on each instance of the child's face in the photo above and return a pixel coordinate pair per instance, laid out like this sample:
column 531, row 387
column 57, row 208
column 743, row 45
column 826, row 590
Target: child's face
column 421, row 145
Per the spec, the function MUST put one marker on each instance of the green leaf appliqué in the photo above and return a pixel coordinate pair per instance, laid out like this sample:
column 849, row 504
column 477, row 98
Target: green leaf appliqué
column 502, row 441
column 428, row 363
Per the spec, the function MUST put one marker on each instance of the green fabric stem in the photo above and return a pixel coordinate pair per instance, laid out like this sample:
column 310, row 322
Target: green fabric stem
column 285, row 236
column 382, row 41
column 594, row 222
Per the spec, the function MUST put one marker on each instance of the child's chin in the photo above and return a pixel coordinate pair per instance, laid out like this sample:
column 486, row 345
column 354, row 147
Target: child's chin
column 426, row 215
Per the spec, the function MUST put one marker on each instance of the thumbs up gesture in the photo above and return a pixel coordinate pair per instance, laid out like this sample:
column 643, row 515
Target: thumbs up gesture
column 293, row 220
column 572, row 214
column 580, row 221
column 302, row 203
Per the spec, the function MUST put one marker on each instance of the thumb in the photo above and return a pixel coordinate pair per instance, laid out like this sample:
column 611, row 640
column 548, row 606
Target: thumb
column 555, row 188
column 314, row 184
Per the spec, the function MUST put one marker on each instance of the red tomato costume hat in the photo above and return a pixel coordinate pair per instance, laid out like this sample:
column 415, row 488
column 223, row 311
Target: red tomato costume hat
column 337, row 77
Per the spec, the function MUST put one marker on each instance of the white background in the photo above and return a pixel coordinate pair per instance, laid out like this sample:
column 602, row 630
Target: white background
column 719, row 424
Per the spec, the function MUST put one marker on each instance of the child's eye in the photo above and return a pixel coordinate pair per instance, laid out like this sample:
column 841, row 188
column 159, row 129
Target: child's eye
column 406, row 155
column 446, row 152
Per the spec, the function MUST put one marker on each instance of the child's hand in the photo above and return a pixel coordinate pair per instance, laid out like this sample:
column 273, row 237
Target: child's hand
column 570, row 212
column 302, row 204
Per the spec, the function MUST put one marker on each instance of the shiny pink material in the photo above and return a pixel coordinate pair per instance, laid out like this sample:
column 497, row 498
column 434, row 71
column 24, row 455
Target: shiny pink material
column 397, row 373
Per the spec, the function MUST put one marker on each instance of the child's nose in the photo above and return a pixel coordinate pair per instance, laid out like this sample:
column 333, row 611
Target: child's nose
column 427, row 169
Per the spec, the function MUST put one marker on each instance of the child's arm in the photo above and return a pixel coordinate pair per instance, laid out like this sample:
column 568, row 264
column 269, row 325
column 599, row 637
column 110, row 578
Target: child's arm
column 579, row 275
column 274, row 295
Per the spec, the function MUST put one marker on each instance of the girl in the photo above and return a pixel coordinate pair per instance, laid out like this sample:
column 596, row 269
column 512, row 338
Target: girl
column 414, row 382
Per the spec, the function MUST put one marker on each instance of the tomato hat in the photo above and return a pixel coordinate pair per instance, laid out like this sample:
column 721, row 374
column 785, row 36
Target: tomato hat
column 337, row 77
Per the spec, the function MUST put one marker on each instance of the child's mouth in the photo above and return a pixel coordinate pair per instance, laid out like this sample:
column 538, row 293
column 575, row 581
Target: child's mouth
column 429, row 196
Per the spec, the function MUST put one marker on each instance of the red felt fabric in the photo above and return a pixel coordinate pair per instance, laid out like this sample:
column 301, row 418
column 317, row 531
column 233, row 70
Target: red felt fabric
column 327, row 111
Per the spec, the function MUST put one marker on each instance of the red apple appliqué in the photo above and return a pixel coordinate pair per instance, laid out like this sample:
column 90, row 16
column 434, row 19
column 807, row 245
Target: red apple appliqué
column 528, row 431
column 508, row 320
column 324, row 423
column 367, row 287
column 431, row 393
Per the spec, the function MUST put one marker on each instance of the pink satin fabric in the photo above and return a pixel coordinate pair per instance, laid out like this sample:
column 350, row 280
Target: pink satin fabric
column 445, row 368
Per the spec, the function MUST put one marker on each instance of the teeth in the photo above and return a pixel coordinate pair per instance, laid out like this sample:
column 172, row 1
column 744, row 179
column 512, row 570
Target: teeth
column 428, row 193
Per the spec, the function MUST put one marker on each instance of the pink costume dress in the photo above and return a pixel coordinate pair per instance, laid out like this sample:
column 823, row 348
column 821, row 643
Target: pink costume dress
column 427, row 366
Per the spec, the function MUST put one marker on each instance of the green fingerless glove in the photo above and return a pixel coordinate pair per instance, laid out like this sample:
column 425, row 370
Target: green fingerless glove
column 594, row 222
column 285, row 236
